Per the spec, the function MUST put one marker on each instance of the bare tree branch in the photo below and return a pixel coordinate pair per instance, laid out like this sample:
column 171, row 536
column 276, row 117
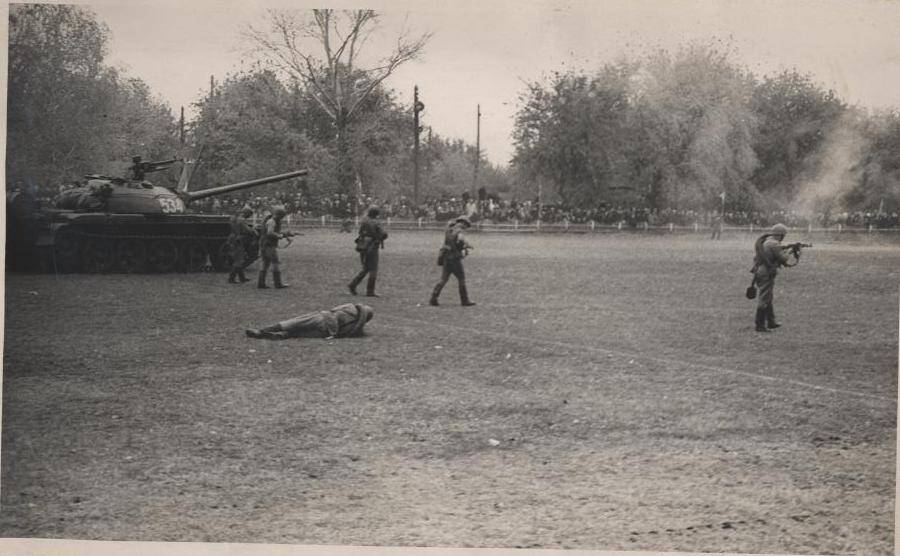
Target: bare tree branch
column 405, row 52
column 340, row 39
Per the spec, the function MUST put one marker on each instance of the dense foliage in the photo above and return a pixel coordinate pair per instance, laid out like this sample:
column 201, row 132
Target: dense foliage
column 69, row 113
column 680, row 129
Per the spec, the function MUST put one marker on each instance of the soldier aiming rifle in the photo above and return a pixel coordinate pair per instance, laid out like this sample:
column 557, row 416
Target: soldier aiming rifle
column 770, row 254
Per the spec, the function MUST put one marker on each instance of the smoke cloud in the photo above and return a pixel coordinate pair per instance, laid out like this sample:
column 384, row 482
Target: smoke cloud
column 836, row 170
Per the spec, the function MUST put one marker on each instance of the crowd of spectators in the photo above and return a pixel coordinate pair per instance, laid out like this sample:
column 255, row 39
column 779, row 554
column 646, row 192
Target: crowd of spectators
column 339, row 206
column 496, row 210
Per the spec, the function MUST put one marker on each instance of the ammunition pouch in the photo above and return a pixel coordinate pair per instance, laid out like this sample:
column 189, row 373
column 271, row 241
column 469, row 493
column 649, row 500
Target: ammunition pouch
column 363, row 243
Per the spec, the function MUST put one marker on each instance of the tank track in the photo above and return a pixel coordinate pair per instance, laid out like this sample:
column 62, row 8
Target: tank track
column 83, row 251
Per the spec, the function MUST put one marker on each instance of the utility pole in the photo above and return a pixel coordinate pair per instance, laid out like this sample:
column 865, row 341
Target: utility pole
column 540, row 199
column 477, row 151
column 417, row 107
column 429, row 158
column 181, row 129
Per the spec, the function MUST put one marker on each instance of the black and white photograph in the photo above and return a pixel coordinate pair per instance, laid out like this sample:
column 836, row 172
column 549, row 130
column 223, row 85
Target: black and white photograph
column 540, row 277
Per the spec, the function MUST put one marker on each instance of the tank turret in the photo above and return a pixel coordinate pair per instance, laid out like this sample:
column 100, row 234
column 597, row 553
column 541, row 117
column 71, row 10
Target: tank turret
column 112, row 224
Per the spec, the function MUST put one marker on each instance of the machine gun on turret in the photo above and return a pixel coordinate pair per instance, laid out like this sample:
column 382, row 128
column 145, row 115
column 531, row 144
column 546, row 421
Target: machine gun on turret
column 139, row 169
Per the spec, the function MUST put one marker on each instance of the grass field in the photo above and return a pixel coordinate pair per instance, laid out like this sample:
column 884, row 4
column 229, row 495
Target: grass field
column 606, row 392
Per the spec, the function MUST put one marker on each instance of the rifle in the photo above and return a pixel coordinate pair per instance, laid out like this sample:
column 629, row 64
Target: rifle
column 288, row 236
column 795, row 248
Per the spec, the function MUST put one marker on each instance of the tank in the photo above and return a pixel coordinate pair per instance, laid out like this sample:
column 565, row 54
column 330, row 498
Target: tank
column 110, row 224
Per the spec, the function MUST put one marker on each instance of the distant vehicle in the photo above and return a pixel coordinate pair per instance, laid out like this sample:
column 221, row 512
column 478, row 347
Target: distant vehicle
column 111, row 224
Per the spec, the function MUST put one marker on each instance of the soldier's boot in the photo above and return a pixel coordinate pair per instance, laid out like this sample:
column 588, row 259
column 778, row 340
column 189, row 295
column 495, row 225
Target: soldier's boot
column 464, row 295
column 434, row 295
column 261, row 282
column 241, row 276
column 269, row 332
column 352, row 287
column 370, row 287
column 770, row 318
column 231, row 277
column 761, row 320
column 276, row 276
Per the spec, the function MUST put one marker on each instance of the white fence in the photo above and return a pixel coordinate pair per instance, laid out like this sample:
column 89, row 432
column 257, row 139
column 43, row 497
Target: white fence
column 580, row 228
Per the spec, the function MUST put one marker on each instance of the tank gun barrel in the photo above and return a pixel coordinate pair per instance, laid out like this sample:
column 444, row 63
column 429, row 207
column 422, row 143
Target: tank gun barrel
column 212, row 191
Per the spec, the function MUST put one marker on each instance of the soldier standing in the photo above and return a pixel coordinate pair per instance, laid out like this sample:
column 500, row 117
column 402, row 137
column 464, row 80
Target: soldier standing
column 242, row 234
column 769, row 257
column 268, row 247
column 370, row 239
column 453, row 251
column 716, row 227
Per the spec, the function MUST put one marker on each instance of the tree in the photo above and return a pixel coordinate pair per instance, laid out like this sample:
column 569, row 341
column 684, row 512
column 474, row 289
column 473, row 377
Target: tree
column 880, row 181
column 670, row 129
column 379, row 144
column 795, row 116
column 570, row 134
column 693, row 128
column 68, row 113
column 337, row 78
column 252, row 126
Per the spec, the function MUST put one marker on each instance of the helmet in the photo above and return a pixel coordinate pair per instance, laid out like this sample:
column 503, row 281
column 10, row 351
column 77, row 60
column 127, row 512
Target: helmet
column 463, row 220
column 779, row 230
column 247, row 210
column 367, row 312
column 278, row 211
column 373, row 211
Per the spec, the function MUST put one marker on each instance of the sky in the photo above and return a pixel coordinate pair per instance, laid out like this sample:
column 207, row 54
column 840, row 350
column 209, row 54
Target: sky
column 482, row 53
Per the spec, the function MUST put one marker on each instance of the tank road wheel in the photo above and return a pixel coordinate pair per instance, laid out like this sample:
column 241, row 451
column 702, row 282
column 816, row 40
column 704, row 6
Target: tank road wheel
column 193, row 256
column 131, row 255
column 98, row 255
column 162, row 255
column 66, row 254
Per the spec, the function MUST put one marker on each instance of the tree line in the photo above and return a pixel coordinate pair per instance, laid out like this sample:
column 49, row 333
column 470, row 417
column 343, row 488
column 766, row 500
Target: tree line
column 679, row 129
column 71, row 114
column 684, row 129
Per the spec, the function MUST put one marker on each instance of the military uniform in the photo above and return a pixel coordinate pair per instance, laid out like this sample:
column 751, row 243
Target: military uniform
column 769, row 257
column 268, row 248
column 450, row 257
column 345, row 320
column 717, row 228
column 370, row 239
column 249, row 236
column 241, row 233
